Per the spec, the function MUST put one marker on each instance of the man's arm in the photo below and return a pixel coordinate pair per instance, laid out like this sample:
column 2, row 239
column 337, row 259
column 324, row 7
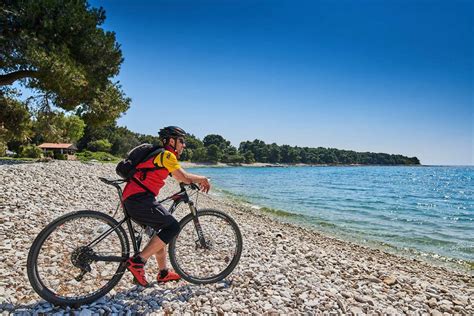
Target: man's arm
column 183, row 176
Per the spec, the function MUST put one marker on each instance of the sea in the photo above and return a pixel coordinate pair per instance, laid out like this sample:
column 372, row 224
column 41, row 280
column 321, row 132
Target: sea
column 426, row 212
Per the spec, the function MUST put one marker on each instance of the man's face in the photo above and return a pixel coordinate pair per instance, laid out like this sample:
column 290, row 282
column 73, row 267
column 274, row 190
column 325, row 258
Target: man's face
column 179, row 144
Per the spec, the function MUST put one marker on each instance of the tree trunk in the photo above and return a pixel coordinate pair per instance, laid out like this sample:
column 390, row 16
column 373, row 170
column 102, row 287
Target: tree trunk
column 8, row 79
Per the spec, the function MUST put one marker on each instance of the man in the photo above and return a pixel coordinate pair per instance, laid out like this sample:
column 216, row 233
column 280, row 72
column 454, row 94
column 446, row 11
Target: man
column 140, row 203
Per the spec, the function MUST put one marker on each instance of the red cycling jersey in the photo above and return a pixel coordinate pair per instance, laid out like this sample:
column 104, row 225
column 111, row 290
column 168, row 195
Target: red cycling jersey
column 154, row 180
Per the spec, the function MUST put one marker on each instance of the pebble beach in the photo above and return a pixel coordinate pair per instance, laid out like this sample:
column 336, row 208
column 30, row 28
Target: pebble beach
column 284, row 268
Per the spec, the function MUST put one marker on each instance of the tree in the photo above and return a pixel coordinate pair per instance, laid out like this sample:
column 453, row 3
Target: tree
column 57, row 127
column 74, row 128
column 214, row 153
column 30, row 151
column 57, row 48
column 100, row 145
column 15, row 123
column 249, row 157
column 274, row 153
column 192, row 142
column 199, row 155
column 217, row 140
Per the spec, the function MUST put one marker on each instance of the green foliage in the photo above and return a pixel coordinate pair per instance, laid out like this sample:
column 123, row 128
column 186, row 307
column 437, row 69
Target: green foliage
column 217, row 140
column 59, row 156
column 199, row 155
column 58, row 48
column 15, row 124
column 56, row 127
column 214, row 153
column 3, row 148
column 74, row 128
column 273, row 153
column 249, row 157
column 99, row 145
column 30, row 151
column 192, row 142
column 99, row 156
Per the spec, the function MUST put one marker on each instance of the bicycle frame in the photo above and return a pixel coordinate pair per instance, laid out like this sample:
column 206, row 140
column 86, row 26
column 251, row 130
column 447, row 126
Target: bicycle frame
column 177, row 198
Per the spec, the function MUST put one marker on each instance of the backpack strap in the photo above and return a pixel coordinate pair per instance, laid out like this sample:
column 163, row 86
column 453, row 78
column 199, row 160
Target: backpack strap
column 150, row 156
column 134, row 179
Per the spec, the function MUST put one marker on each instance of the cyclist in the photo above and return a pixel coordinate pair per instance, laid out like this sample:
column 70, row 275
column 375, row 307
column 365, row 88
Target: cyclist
column 140, row 203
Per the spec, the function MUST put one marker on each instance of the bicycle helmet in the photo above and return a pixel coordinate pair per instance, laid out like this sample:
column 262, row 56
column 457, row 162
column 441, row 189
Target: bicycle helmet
column 171, row 131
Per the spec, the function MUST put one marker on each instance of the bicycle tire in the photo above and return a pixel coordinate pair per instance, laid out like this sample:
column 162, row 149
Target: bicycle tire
column 202, row 214
column 32, row 261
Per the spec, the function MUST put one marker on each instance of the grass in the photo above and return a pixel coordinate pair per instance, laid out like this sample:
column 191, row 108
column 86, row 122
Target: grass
column 99, row 156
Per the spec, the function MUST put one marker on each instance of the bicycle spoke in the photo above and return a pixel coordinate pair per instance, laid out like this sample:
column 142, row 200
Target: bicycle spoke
column 61, row 258
column 222, row 246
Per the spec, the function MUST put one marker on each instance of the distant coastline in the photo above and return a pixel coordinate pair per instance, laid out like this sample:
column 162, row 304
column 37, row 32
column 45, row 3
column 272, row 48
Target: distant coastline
column 188, row 164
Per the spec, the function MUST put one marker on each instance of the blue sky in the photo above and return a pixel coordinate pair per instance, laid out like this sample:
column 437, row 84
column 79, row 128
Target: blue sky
column 381, row 76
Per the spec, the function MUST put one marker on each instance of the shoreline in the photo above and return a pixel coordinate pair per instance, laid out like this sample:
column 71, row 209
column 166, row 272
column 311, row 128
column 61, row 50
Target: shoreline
column 288, row 218
column 284, row 268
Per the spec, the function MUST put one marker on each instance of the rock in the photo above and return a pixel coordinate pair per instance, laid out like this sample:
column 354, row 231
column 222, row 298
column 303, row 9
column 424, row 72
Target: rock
column 435, row 312
column 360, row 299
column 85, row 312
column 356, row 310
column 391, row 280
column 267, row 306
column 341, row 305
column 311, row 303
column 373, row 279
column 226, row 307
column 432, row 302
column 458, row 302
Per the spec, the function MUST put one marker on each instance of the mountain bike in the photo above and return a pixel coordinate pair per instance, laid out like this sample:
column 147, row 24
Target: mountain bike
column 80, row 257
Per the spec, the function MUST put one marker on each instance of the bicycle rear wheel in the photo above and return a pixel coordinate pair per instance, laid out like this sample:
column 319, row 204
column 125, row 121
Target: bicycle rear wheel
column 62, row 266
column 212, row 262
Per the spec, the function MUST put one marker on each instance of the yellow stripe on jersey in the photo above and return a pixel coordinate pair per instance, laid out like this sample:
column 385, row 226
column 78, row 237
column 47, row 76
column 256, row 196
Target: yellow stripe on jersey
column 168, row 160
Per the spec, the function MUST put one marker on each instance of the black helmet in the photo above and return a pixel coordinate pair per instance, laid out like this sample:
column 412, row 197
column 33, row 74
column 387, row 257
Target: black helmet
column 171, row 131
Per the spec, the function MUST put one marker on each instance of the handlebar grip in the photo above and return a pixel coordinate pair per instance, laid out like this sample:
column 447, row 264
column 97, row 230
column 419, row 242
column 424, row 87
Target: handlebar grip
column 193, row 186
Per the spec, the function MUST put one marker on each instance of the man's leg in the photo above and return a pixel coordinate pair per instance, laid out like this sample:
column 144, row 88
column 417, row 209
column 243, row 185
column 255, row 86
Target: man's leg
column 155, row 246
column 157, row 217
column 160, row 256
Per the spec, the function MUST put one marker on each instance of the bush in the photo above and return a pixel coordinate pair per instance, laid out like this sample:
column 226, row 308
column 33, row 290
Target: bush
column 30, row 151
column 3, row 148
column 235, row 159
column 59, row 156
column 99, row 145
column 99, row 156
column 49, row 154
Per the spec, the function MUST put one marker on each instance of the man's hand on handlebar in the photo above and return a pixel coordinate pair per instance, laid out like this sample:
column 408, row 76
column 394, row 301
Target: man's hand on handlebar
column 204, row 185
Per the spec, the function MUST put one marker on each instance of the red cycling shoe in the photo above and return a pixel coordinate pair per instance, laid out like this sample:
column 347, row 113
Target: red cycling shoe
column 137, row 269
column 167, row 276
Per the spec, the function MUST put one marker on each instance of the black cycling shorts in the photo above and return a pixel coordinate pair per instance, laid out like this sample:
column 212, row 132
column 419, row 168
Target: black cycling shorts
column 144, row 209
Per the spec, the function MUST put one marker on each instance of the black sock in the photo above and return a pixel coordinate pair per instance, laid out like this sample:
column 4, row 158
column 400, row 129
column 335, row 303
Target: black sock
column 137, row 259
column 163, row 273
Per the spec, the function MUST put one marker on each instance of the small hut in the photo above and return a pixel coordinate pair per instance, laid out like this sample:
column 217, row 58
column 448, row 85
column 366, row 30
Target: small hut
column 58, row 148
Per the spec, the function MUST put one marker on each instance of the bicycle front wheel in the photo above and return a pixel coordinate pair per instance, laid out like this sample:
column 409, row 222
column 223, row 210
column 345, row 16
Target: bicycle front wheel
column 64, row 266
column 210, row 257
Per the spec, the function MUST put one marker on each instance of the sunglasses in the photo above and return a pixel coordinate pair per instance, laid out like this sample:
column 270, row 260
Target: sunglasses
column 181, row 140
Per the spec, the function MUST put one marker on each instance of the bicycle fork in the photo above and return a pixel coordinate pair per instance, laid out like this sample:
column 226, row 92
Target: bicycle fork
column 197, row 226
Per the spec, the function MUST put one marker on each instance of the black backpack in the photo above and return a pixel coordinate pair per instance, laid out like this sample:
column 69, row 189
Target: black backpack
column 127, row 168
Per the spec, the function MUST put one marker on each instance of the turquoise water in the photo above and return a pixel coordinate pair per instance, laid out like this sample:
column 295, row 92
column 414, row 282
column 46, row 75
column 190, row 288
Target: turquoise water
column 423, row 210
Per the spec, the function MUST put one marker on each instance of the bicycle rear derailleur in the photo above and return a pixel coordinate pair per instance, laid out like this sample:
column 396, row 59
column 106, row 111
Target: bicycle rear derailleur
column 81, row 258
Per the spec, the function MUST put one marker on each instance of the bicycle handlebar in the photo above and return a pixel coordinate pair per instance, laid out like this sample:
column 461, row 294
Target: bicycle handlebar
column 193, row 186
